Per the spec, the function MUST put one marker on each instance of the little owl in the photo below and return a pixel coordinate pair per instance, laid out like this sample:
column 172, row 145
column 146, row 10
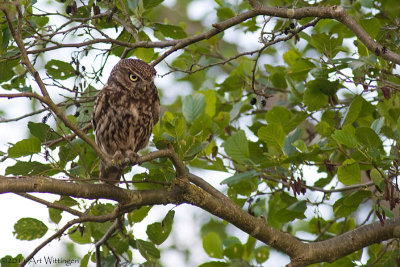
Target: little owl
column 124, row 114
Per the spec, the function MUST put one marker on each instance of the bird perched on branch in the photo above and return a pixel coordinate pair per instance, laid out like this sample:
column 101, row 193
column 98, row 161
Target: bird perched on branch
column 124, row 114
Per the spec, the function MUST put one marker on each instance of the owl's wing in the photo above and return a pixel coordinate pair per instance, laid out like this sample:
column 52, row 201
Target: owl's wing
column 156, row 107
column 97, row 108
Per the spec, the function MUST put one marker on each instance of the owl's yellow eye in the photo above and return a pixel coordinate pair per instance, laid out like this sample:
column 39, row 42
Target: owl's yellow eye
column 133, row 77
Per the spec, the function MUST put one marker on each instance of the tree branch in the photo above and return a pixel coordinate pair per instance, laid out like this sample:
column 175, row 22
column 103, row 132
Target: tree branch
column 182, row 191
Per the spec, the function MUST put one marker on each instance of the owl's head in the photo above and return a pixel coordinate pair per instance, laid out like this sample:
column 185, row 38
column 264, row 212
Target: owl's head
column 133, row 75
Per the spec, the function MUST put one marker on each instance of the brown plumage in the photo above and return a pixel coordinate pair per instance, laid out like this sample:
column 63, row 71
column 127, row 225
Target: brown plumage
column 124, row 114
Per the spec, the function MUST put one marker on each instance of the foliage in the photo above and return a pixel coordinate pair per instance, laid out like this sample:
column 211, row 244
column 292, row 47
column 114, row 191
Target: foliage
column 299, row 113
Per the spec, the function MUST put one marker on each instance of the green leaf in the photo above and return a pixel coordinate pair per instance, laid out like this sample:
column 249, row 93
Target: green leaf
column 290, row 57
column 349, row 173
column 293, row 211
column 6, row 69
column 279, row 115
column 315, row 97
column 211, row 101
column 39, row 21
column 215, row 264
column 344, row 206
column 326, row 44
column 68, row 153
column 59, row 69
column 158, row 232
column 119, row 242
column 24, row 148
column 55, row 215
column 172, row 31
column 378, row 124
column 148, row 250
column 233, row 248
column 9, row 261
column 193, row 107
column 224, row 13
column 85, row 260
column 212, row 245
column 272, row 134
column 29, row 229
column 139, row 214
column 371, row 26
column 353, row 110
column 28, row 168
column 261, row 254
column 42, row 131
column 300, row 69
column 346, row 138
column 80, row 235
column 368, row 138
column 289, row 147
column 237, row 147
column 147, row 4
column 377, row 178
column 145, row 54
column 238, row 177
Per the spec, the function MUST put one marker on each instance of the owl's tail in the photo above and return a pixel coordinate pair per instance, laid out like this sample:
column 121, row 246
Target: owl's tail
column 110, row 175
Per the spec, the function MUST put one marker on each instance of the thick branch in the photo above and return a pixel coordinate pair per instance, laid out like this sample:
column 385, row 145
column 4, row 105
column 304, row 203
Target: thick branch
column 182, row 191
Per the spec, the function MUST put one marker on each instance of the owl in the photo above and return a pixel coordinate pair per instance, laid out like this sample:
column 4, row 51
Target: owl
column 124, row 113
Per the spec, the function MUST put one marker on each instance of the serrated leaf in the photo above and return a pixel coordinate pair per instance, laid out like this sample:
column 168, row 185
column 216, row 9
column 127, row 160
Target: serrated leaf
column 238, row 177
column 368, row 138
column 289, row 147
column 193, row 107
column 28, row 168
column 317, row 93
column 59, row 69
column 158, row 232
column 326, row 44
column 300, row 69
column 147, row 250
column 279, row 115
column 349, row 173
column 212, row 245
column 237, row 147
column 353, row 110
column 24, row 148
column 345, row 138
column 172, row 31
column 272, row 134
column 42, row 131
column 29, row 229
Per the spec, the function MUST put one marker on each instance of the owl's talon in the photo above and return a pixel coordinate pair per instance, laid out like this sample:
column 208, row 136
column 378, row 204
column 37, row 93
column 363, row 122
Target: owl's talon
column 132, row 157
